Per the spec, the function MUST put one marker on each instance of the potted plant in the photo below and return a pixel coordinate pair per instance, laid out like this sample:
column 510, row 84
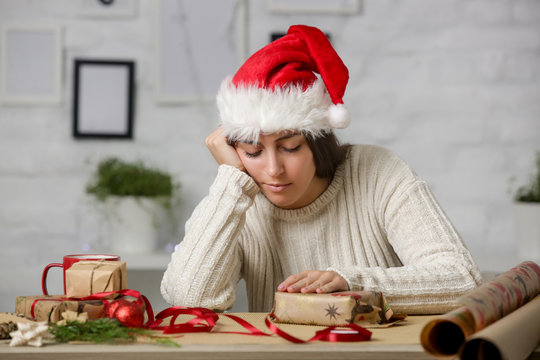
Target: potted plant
column 138, row 203
column 527, row 216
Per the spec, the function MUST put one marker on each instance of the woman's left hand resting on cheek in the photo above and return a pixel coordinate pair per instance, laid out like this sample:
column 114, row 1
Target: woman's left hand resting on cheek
column 314, row 281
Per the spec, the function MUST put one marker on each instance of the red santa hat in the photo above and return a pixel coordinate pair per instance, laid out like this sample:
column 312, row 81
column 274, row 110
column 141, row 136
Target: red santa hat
column 277, row 88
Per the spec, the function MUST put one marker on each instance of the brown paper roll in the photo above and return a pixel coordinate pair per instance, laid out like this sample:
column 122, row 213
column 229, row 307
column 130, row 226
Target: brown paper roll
column 504, row 294
column 481, row 307
column 513, row 337
column 444, row 335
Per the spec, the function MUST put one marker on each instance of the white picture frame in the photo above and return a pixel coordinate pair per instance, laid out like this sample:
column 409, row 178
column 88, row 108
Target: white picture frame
column 31, row 64
column 103, row 98
column 343, row 7
column 108, row 8
column 196, row 49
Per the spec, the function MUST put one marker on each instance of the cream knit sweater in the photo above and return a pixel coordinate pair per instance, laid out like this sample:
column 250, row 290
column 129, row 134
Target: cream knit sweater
column 377, row 224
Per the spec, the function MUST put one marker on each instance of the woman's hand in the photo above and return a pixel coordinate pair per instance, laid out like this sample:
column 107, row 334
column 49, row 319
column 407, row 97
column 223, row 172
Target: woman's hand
column 224, row 153
column 310, row 281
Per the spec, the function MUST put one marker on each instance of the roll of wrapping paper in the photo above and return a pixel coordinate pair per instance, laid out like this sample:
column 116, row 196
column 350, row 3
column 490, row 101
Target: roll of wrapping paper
column 446, row 334
column 481, row 307
column 513, row 337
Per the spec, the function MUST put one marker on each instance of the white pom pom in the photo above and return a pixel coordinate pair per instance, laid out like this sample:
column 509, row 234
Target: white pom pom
column 338, row 116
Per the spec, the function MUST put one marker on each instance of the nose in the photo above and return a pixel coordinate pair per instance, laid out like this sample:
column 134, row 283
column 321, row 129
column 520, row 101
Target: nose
column 274, row 166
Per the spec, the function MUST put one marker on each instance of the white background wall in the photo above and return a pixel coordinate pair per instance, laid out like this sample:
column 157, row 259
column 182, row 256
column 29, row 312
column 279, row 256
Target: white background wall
column 452, row 86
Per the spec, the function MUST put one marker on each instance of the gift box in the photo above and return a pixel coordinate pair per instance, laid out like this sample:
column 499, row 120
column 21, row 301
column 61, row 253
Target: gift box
column 333, row 309
column 50, row 307
column 85, row 278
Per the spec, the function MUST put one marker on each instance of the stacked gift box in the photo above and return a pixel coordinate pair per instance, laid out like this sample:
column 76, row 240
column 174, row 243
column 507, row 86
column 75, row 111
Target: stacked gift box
column 83, row 279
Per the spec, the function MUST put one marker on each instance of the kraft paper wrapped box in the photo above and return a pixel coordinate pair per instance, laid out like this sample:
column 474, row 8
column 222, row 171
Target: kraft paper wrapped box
column 86, row 278
column 50, row 307
column 333, row 309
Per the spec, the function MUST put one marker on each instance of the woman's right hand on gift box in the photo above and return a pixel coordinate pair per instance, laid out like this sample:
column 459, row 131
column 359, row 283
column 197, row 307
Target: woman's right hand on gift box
column 222, row 151
column 314, row 281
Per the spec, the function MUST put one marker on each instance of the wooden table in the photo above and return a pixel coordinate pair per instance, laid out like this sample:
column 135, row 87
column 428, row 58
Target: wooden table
column 217, row 352
column 400, row 341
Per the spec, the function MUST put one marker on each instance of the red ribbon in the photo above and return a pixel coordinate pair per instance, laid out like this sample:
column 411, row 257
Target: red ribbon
column 33, row 307
column 193, row 325
column 140, row 300
column 196, row 324
column 252, row 329
column 357, row 333
column 205, row 320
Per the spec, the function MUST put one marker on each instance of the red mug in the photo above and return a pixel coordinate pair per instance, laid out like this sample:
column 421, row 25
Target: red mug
column 70, row 260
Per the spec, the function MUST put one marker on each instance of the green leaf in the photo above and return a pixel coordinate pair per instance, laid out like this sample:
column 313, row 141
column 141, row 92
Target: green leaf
column 531, row 192
column 119, row 178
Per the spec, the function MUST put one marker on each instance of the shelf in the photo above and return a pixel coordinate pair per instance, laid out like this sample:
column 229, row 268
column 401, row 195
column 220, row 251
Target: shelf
column 497, row 263
column 147, row 261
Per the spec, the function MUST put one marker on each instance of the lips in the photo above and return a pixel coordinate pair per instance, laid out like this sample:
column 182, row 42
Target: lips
column 277, row 187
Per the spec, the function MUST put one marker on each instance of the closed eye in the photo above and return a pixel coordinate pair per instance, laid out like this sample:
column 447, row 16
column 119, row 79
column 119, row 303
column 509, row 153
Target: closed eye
column 253, row 154
column 296, row 148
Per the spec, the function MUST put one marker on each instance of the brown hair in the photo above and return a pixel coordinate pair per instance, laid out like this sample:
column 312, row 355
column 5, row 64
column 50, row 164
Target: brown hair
column 328, row 153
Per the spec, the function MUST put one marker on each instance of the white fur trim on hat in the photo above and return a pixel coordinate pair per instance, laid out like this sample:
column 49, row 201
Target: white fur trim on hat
column 247, row 111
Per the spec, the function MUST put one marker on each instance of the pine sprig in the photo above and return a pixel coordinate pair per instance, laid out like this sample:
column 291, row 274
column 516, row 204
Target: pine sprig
column 97, row 331
column 100, row 331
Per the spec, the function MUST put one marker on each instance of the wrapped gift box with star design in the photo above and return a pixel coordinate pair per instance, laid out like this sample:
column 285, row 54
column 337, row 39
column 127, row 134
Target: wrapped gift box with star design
column 334, row 309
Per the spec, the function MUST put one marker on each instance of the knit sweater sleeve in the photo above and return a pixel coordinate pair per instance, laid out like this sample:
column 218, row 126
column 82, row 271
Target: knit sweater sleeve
column 436, row 268
column 205, row 267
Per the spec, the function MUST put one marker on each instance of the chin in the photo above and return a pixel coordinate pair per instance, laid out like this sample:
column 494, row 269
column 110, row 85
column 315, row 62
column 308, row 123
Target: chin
column 280, row 201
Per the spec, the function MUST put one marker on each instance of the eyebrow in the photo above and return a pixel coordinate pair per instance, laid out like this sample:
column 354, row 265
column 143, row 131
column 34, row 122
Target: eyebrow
column 284, row 137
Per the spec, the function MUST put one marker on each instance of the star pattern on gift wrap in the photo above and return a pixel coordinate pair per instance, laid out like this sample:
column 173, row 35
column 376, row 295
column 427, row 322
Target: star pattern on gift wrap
column 332, row 311
column 29, row 334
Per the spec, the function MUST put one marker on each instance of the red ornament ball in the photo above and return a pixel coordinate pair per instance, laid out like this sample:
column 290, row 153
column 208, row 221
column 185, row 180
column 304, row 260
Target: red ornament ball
column 111, row 307
column 128, row 313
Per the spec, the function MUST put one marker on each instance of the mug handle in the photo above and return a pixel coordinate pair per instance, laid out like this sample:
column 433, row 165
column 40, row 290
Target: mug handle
column 44, row 276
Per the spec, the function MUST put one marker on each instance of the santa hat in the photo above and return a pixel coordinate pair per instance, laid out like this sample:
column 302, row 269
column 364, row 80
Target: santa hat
column 277, row 89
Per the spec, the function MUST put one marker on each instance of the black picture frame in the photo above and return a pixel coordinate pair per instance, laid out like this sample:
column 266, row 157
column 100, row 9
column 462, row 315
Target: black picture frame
column 103, row 98
column 276, row 35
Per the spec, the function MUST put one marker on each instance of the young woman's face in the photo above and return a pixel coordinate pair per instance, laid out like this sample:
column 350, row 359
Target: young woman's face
column 282, row 165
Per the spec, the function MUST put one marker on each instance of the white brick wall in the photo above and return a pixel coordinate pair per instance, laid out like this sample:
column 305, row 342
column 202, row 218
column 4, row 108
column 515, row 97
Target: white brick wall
column 452, row 86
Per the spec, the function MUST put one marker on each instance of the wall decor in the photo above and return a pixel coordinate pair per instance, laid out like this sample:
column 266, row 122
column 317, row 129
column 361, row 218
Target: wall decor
column 103, row 99
column 108, row 8
column 314, row 6
column 30, row 64
column 274, row 35
column 198, row 48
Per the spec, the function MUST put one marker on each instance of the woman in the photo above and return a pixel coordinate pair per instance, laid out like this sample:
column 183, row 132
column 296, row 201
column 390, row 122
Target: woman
column 293, row 210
